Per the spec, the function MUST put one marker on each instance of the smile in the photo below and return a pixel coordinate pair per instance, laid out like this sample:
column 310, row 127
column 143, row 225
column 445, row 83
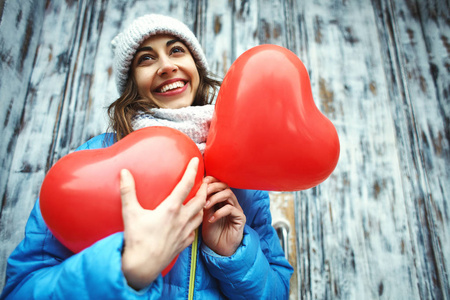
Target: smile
column 171, row 86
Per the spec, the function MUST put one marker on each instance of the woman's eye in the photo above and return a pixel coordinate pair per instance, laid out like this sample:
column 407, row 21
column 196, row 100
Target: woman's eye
column 144, row 58
column 177, row 49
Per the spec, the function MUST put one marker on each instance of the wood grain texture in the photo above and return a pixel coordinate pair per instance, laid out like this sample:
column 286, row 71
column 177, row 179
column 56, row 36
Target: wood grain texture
column 20, row 27
column 354, row 224
column 419, row 114
column 378, row 228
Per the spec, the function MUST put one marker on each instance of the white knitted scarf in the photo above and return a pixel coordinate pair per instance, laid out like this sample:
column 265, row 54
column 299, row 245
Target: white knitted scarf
column 194, row 121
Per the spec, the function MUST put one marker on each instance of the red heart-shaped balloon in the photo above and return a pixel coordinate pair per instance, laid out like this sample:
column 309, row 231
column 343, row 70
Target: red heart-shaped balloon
column 80, row 197
column 266, row 132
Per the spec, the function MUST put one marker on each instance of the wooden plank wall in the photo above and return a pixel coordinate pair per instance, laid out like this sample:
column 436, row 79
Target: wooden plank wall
column 378, row 228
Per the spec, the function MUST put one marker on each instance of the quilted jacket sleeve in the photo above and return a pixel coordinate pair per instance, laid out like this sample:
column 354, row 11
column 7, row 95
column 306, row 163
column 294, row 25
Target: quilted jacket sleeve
column 258, row 269
column 42, row 268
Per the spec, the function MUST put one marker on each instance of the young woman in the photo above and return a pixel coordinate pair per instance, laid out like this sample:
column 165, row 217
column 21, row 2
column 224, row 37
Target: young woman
column 161, row 74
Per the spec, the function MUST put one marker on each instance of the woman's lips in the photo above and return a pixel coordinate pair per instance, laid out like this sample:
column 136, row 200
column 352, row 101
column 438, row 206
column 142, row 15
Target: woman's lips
column 166, row 84
column 172, row 88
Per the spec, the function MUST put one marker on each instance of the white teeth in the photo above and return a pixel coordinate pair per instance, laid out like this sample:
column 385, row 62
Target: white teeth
column 171, row 86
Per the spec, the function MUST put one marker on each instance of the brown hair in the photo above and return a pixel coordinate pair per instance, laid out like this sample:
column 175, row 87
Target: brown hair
column 130, row 102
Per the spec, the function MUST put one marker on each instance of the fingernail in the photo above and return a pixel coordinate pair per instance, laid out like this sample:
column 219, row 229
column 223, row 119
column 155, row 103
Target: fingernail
column 211, row 219
column 207, row 204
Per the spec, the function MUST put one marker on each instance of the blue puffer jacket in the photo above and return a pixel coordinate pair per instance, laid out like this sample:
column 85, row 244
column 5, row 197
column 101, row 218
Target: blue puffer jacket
column 42, row 268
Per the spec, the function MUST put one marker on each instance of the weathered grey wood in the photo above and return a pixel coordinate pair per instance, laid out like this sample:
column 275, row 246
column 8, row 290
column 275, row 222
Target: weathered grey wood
column 358, row 236
column 20, row 26
column 420, row 116
column 429, row 94
column 377, row 228
column 18, row 45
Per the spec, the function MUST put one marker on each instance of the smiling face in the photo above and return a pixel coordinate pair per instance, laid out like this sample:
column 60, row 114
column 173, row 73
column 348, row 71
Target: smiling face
column 165, row 72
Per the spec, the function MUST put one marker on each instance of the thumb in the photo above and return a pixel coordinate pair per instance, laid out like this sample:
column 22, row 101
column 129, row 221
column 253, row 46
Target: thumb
column 128, row 193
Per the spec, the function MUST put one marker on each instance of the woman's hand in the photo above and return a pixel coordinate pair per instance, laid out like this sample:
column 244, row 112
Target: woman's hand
column 153, row 238
column 223, row 219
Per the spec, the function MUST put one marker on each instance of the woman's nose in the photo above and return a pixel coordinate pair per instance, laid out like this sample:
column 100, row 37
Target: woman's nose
column 166, row 66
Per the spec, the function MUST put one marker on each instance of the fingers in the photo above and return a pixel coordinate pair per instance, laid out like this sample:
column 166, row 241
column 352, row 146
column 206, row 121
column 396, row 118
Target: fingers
column 210, row 179
column 215, row 186
column 189, row 240
column 183, row 188
column 195, row 209
column 234, row 215
column 192, row 213
column 221, row 202
column 197, row 203
column 195, row 222
column 220, row 193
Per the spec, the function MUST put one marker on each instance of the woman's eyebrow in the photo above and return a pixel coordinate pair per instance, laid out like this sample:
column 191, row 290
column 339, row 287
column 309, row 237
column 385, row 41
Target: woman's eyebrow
column 171, row 42
column 148, row 48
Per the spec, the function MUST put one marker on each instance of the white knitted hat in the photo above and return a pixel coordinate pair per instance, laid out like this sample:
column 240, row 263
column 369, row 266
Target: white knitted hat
column 127, row 42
